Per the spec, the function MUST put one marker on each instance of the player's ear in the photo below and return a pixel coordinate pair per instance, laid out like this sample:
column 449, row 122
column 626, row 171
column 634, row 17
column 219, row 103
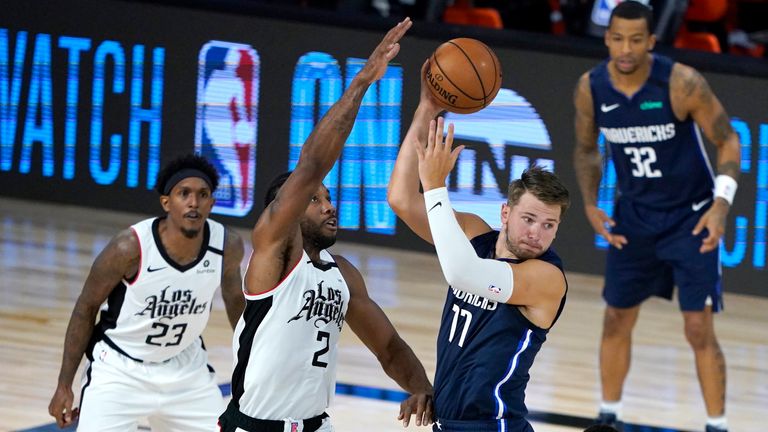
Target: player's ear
column 651, row 42
column 165, row 202
column 504, row 213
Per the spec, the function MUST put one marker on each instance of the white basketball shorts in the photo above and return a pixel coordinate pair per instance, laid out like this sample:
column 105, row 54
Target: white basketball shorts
column 178, row 395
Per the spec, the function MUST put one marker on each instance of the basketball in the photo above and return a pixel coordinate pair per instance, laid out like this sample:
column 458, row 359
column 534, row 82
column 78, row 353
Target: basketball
column 464, row 75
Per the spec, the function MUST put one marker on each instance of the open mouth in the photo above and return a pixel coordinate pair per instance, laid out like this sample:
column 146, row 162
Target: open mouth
column 625, row 63
column 193, row 215
column 332, row 223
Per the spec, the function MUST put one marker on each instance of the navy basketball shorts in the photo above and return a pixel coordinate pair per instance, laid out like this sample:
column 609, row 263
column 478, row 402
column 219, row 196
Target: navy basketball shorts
column 506, row 425
column 661, row 253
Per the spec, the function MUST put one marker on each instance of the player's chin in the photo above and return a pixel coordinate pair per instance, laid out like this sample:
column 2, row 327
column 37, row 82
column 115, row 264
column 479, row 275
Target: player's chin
column 529, row 251
column 327, row 239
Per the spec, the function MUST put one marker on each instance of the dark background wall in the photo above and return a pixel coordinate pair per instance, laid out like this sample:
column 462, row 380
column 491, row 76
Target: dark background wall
column 53, row 148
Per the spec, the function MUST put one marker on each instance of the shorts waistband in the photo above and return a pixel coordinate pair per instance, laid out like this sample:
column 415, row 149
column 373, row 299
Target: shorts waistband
column 260, row 425
column 511, row 424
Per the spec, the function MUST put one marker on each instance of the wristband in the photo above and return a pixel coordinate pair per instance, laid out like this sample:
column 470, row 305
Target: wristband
column 725, row 187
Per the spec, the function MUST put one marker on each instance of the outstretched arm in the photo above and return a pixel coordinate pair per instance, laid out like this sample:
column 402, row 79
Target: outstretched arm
column 119, row 259
column 276, row 233
column 231, row 279
column 374, row 329
column 403, row 192
column 588, row 163
column 691, row 95
column 532, row 283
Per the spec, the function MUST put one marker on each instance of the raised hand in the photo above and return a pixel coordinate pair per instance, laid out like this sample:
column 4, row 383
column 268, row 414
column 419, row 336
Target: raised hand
column 437, row 160
column 384, row 52
column 427, row 102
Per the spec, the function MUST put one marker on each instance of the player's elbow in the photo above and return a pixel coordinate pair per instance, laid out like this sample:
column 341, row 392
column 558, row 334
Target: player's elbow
column 397, row 201
column 457, row 276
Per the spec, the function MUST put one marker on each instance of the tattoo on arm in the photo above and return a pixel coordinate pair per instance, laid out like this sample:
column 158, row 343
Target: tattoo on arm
column 587, row 159
column 721, row 128
column 705, row 92
column 729, row 168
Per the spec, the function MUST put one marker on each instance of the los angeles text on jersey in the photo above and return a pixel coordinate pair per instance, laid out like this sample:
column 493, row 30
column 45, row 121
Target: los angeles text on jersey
column 170, row 305
column 323, row 305
column 639, row 134
column 475, row 300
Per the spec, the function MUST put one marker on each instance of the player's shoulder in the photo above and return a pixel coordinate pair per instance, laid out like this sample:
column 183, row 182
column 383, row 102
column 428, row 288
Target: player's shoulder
column 547, row 272
column 684, row 77
column 582, row 93
column 583, row 83
column 233, row 244
column 344, row 264
column 472, row 224
column 349, row 272
column 125, row 243
column 232, row 238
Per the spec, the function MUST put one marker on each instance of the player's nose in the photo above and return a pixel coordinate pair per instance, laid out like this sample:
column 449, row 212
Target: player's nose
column 533, row 231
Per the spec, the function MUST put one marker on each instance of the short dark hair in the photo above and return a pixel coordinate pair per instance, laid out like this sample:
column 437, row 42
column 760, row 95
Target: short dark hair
column 542, row 184
column 633, row 10
column 274, row 187
column 187, row 161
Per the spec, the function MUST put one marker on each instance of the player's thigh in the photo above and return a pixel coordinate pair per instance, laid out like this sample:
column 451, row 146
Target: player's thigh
column 195, row 407
column 696, row 275
column 634, row 273
column 111, row 399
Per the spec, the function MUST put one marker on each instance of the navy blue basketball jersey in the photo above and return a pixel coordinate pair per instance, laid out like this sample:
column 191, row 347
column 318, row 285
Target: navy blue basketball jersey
column 484, row 352
column 660, row 162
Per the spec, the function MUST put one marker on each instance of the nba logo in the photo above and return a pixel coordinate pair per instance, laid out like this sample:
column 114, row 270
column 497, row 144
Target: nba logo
column 227, row 119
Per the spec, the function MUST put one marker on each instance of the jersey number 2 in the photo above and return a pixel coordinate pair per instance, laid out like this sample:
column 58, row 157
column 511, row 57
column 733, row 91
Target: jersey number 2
column 177, row 333
column 316, row 359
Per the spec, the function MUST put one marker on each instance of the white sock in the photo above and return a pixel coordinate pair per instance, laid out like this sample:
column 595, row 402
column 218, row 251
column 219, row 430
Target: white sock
column 613, row 407
column 718, row 422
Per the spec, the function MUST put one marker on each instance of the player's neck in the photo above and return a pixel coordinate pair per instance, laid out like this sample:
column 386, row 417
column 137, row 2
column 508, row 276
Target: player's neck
column 182, row 249
column 501, row 250
column 312, row 251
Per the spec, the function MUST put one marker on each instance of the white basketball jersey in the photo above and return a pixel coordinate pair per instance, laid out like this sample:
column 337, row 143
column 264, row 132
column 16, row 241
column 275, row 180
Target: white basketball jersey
column 285, row 343
column 166, row 306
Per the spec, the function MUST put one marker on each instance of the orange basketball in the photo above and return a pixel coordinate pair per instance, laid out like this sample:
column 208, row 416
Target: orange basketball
column 464, row 75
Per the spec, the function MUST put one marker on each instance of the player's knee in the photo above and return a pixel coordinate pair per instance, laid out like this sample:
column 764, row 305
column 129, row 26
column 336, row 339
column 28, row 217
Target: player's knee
column 618, row 322
column 698, row 333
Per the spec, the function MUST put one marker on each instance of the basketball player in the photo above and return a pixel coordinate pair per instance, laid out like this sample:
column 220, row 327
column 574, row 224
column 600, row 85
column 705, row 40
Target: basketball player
column 490, row 333
column 145, row 355
column 668, row 221
column 298, row 295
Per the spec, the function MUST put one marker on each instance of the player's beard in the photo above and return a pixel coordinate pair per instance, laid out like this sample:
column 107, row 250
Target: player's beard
column 190, row 233
column 314, row 237
column 518, row 252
